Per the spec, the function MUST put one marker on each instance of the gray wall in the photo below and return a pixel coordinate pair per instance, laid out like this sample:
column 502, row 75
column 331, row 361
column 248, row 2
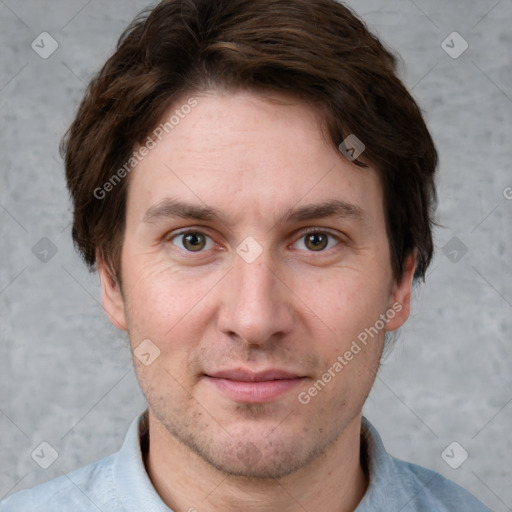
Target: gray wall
column 65, row 373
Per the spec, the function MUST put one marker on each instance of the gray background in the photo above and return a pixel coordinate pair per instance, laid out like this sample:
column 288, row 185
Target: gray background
column 65, row 373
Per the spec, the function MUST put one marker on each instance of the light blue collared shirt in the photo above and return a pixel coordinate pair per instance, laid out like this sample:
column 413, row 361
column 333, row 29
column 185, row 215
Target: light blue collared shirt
column 119, row 483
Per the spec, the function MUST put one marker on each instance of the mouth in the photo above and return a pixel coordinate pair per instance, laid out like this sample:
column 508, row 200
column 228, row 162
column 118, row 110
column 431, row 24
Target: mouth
column 254, row 387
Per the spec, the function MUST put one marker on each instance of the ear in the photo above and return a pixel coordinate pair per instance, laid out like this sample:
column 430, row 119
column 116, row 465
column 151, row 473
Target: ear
column 400, row 300
column 111, row 294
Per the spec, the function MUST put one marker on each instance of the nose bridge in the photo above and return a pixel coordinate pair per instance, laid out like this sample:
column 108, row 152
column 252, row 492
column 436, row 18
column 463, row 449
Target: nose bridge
column 254, row 282
column 254, row 306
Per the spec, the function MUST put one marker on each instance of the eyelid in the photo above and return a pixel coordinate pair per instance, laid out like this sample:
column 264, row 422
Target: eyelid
column 327, row 231
column 185, row 231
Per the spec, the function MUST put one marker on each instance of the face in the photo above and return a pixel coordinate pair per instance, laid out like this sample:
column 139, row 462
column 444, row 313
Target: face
column 255, row 256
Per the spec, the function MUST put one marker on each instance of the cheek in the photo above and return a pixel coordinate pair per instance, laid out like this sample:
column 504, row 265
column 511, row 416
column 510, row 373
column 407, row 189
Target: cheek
column 347, row 302
column 164, row 304
column 169, row 312
column 348, row 307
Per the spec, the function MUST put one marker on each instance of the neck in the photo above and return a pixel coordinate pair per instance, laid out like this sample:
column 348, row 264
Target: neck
column 334, row 482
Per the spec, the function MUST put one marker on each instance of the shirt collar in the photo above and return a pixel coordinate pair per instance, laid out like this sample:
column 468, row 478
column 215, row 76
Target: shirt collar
column 382, row 490
column 134, row 488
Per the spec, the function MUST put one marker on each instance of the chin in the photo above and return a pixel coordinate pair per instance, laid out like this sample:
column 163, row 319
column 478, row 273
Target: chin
column 257, row 455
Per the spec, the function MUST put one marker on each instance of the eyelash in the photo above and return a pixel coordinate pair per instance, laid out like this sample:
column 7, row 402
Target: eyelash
column 303, row 234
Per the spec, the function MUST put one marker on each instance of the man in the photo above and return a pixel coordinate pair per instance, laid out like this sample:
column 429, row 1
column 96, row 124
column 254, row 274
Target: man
column 255, row 187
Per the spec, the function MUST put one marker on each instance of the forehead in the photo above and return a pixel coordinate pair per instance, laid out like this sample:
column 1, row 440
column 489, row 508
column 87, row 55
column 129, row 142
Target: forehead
column 248, row 154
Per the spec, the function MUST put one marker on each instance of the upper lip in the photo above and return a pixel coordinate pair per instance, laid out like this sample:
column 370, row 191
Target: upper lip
column 249, row 376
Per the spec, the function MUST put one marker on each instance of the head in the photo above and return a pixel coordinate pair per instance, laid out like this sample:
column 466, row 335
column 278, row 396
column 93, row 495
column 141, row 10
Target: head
column 229, row 229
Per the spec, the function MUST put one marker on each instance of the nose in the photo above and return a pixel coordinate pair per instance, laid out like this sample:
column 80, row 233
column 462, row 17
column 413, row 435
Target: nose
column 256, row 303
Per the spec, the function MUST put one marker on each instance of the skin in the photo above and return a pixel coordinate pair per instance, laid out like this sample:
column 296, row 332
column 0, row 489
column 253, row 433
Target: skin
column 254, row 160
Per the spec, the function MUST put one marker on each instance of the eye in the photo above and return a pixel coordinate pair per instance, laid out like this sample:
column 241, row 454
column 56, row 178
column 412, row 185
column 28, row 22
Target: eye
column 316, row 241
column 192, row 241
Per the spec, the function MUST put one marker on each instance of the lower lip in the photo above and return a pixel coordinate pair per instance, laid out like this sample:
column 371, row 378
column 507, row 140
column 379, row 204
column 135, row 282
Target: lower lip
column 254, row 392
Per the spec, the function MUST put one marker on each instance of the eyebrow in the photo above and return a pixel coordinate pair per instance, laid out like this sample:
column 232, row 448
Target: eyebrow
column 335, row 208
column 171, row 208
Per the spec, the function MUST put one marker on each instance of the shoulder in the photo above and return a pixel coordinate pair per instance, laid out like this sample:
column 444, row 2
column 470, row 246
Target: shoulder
column 85, row 489
column 427, row 490
column 399, row 485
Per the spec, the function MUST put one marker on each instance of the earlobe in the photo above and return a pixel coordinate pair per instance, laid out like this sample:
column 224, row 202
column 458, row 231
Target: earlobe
column 111, row 294
column 400, row 300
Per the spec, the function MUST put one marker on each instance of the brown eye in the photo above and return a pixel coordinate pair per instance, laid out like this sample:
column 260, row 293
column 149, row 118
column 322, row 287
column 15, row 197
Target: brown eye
column 316, row 241
column 193, row 242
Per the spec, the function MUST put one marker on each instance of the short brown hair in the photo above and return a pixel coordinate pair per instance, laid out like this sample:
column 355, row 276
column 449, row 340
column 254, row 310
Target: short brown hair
column 318, row 51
